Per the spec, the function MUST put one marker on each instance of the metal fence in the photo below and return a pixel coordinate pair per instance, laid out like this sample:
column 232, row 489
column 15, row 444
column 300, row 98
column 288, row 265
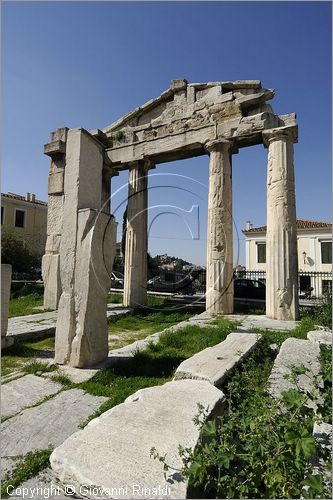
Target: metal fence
column 312, row 284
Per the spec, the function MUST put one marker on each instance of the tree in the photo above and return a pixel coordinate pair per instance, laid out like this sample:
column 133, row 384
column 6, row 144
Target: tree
column 19, row 254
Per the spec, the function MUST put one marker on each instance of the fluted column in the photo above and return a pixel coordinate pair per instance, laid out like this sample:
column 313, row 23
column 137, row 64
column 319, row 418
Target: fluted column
column 135, row 284
column 281, row 237
column 219, row 280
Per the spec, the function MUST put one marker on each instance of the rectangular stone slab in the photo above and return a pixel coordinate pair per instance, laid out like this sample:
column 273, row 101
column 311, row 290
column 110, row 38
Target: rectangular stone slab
column 48, row 424
column 215, row 363
column 294, row 352
column 24, row 392
column 113, row 450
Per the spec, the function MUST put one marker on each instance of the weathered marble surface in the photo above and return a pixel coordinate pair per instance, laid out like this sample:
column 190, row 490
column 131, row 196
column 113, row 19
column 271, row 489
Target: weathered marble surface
column 295, row 353
column 220, row 286
column 136, row 248
column 113, row 450
column 24, row 392
column 48, row 424
column 281, row 236
column 87, row 250
column 320, row 336
column 51, row 260
column 215, row 363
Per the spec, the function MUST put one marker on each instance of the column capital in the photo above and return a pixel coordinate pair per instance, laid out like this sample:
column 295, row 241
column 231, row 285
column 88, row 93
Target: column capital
column 280, row 133
column 146, row 163
column 109, row 171
column 223, row 145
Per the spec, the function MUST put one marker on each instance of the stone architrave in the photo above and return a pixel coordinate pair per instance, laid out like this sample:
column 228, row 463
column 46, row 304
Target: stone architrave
column 219, row 290
column 135, row 284
column 281, row 237
column 6, row 279
column 87, row 251
column 56, row 149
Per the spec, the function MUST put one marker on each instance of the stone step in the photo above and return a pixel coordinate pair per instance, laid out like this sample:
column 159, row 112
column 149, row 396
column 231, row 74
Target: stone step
column 113, row 451
column 25, row 391
column 294, row 353
column 215, row 363
column 48, row 424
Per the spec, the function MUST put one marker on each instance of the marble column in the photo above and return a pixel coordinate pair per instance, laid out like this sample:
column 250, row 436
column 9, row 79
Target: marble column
column 219, row 279
column 135, row 285
column 281, row 237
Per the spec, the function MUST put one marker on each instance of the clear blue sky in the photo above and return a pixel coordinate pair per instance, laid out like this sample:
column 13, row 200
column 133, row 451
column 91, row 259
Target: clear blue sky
column 86, row 64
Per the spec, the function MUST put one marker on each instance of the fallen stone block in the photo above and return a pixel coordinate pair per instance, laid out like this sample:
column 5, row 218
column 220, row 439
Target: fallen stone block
column 25, row 391
column 112, row 453
column 215, row 363
column 320, row 336
column 48, row 424
column 295, row 353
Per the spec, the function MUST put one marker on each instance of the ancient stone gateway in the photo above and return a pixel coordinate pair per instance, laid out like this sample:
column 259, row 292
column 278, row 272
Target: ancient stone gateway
column 187, row 120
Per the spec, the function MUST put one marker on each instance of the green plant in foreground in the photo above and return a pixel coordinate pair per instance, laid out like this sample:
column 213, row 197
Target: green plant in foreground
column 322, row 313
column 28, row 466
column 255, row 449
column 325, row 359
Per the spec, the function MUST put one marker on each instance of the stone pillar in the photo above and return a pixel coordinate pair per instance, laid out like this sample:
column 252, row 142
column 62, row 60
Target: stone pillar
column 219, row 278
column 56, row 149
column 6, row 280
column 107, row 174
column 135, row 283
column 87, row 250
column 281, row 237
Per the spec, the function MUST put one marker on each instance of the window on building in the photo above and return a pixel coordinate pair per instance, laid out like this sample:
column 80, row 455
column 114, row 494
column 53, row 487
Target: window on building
column 304, row 283
column 327, row 286
column 261, row 253
column 2, row 214
column 19, row 218
column 326, row 252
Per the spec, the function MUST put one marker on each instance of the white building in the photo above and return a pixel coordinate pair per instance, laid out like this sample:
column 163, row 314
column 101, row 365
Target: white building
column 314, row 243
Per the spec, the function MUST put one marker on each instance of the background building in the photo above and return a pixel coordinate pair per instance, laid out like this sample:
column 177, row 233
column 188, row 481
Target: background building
column 314, row 246
column 26, row 217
